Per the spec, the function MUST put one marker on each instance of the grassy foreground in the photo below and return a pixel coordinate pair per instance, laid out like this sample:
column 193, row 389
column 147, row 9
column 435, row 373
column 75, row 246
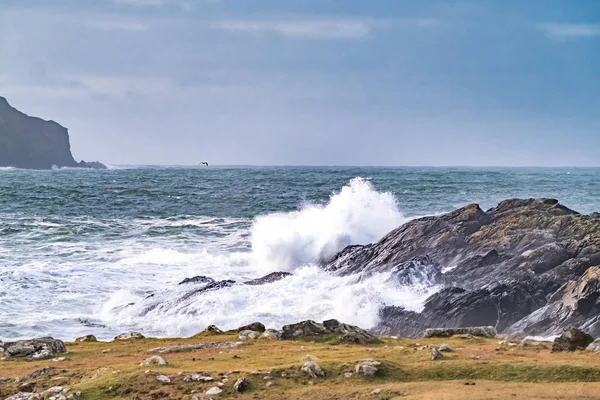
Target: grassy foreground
column 497, row 371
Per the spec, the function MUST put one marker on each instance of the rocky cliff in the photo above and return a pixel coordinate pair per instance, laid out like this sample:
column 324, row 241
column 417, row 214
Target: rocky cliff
column 29, row 142
column 526, row 267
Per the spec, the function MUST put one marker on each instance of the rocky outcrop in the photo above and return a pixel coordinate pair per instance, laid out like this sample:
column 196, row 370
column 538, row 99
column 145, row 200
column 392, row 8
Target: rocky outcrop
column 34, row 349
column 482, row 331
column 32, row 143
column 499, row 267
column 347, row 333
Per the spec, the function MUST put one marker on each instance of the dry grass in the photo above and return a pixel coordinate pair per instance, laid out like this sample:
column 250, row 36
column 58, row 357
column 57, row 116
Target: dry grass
column 406, row 373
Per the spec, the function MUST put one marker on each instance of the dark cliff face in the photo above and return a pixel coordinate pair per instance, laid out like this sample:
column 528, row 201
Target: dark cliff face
column 29, row 142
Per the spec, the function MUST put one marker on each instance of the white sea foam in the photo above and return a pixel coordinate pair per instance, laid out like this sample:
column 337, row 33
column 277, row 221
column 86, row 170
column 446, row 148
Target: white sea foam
column 106, row 283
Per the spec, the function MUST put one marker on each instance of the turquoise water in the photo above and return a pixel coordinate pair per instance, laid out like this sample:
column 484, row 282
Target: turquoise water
column 81, row 250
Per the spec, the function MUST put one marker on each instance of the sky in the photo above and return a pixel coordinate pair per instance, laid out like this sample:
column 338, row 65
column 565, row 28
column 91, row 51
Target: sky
column 310, row 82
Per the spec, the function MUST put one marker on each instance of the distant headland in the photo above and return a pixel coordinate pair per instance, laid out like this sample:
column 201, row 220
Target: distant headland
column 33, row 143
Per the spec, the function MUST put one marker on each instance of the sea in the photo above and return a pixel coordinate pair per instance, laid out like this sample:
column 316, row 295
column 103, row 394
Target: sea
column 103, row 251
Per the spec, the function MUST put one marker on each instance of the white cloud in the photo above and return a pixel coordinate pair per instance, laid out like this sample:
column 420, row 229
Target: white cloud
column 560, row 30
column 313, row 29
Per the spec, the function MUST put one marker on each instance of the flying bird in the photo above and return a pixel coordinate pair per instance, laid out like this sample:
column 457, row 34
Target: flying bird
column 204, row 163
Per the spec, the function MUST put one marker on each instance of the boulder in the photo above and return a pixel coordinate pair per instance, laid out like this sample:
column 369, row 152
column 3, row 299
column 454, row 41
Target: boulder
column 154, row 360
column 445, row 348
column 270, row 278
column 367, row 367
column 214, row 390
column 348, row 333
column 271, row 334
column 34, row 349
column 572, row 339
column 255, row 326
column 163, row 379
column 241, row 385
column 197, row 279
column 313, row 370
column 130, row 335
column 249, row 335
column 86, row 338
column 436, row 354
column 482, row 331
column 211, row 330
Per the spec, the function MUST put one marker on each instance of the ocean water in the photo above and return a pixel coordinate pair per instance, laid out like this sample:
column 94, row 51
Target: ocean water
column 102, row 252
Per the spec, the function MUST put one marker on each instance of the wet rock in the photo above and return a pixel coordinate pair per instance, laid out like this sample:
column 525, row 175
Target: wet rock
column 572, row 339
column 34, row 349
column 270, row 278
column 154, row 360
column 482, row 331
column 256, row 326
column 130, row 335
column 313, row 370
column 197, row 279
column 271, row 334
column 214, row 390
column 499, row 268
column 249, row 335
column 367, row 367
column 241, row 385
column 436, row 354
column 163, row 379
column 86, row 338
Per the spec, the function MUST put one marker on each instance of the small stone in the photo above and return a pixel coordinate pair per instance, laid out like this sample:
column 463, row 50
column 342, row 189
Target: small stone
column 163, row 378
column 86, row 338
column 198, row 378
column 376, row 392
column 436, row 354
column 129, row 335
column 313, row 369
column 60, row 359
column 348, row 374
column 367, row 367
column 270, row 383
column 106, row 351
column 214, row 390
column 241, row 385
column 268, row 378
column 154, row 360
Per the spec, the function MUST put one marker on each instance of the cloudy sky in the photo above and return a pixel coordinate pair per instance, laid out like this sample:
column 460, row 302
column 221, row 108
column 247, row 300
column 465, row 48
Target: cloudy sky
column 322, row 82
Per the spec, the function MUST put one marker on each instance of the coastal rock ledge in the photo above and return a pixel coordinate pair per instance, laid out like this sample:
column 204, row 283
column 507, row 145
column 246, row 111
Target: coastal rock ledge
column 32, row 143
column 524, row 267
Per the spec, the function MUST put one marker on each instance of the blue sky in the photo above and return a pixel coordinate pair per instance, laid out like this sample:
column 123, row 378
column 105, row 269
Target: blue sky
column 318, row 82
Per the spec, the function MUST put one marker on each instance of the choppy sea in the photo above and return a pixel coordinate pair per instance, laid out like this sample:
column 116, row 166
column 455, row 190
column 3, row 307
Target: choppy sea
column 102, row 252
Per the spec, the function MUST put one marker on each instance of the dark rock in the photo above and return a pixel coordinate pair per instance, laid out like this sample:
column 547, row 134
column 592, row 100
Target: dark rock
column 197, row 279
column 39, row 373
column 347, row 333
column 255, row 326
column 208, row 288
column 572, row 339
column 270, row 278
column 34, row 349
column 32, row 143
column 498, row 267
column 241, row 385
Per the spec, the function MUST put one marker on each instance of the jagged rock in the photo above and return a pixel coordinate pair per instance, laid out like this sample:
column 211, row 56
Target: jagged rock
column 367, row 367
column 499, row 267
column 241, row 385
column 594, row 346
column 255, row 326
column 482, row 331
column 271, row 334
column 21, row 396
column 194, row 347
column 436, row 354
column 313, row 370
column 249, row 335
column 212, row 286
column 34, row 349
column 154, row 360
column 211, row 330
column 197, row 279
column 572, row 339
column 86, row 338
column 29, row 142
column 214, row 390
column 163, row 379
column 349, row 333
column 270, row 278
column 130, row 335
column 40, row 372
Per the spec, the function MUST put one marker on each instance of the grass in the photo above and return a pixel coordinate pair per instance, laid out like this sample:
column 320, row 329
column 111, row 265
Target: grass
column 498, row 373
